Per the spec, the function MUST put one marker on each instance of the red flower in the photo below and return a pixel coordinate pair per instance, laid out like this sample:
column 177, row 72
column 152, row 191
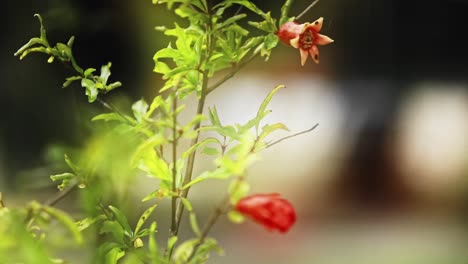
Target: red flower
column 269, row 210
column 304, row 37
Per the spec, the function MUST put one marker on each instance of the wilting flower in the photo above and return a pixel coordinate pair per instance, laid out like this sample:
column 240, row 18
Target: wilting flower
column 269, row 210
column 304, row 37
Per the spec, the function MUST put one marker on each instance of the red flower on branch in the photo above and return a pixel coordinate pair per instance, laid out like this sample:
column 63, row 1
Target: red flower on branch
column 304, row 37
column 269, row 210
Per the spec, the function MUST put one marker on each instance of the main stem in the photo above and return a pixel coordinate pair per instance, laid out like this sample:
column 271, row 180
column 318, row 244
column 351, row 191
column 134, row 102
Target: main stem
column 174, row 167
column 191, row 158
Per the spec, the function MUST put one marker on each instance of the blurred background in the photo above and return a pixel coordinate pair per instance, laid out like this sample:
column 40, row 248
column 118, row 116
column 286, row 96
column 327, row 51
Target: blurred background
column 383, row 179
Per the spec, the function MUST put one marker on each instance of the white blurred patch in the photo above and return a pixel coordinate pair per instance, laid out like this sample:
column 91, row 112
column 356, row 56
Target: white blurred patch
column 433, row 144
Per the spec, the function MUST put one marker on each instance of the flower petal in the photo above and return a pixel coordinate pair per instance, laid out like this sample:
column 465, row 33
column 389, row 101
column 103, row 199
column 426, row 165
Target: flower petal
column 304, row 55
column 316, row 25
column 322, row 39
column 314, row 52
column 294, row 42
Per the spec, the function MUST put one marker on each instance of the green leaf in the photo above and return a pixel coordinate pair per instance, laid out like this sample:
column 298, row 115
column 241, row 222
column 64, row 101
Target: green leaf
column 65, row 220
column 71, row 79
column 122, row 219
column 30, row 50
column 28, row 45
column 262, row 110
column 214, row 118
column 268, row 129
column 115, row 229
column 153, row 245
column 171, row 243
column 271, row 41
column 199, row 145
column 91, row 90
column 210, row 151
column 184, row 250
column 72, row 165
column 109, row 117
column 87, row 222
column 219, row 173
column 157, row 101
column 105, row 72
column 140, row 108
column 143, row 218
column 194, row 225
column 230, row 20
column 250, row 6
column 284, row 11
column 43, row 31
column 236, row 217
column 112, row 86
column 63, row 176
column 89, row 72
column 146, row 150
column 113, row 256
column 187, row 204
column 204, row 250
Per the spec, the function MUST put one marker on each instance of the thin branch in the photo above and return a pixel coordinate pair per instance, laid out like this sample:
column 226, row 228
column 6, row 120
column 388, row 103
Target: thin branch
column 61, row 194
column 307, row 9
column 221, row 209
column 291, row 136
column 228, row 76
column 111, row 107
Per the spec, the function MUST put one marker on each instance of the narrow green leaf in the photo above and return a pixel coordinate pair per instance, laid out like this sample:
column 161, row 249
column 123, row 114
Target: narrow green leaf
column 113, row 256
column 250, row 6
column 187, row 204
column 121, row 218
column 28, row 45
column 262, row 110
column 43, row 30
column 87, row 222
column 63, row 176
column 72, row 165
column 65, row 220
column 214, row 118
column 71, row 79
column 219, row 173
column 199, row 145
column 184, row 250
column 115, row 229
column 171, row 243
column 143, row 218
column 112, row 86
column 284, row 11
column 194, row 224
column 157, row 101
column 153, row 245
column 31, row 50
column 231, row 20
column 109, row 117
column 210, row 151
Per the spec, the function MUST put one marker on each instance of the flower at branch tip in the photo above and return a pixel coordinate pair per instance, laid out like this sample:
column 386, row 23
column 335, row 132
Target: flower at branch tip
column 304, row 37
column 269, row 210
